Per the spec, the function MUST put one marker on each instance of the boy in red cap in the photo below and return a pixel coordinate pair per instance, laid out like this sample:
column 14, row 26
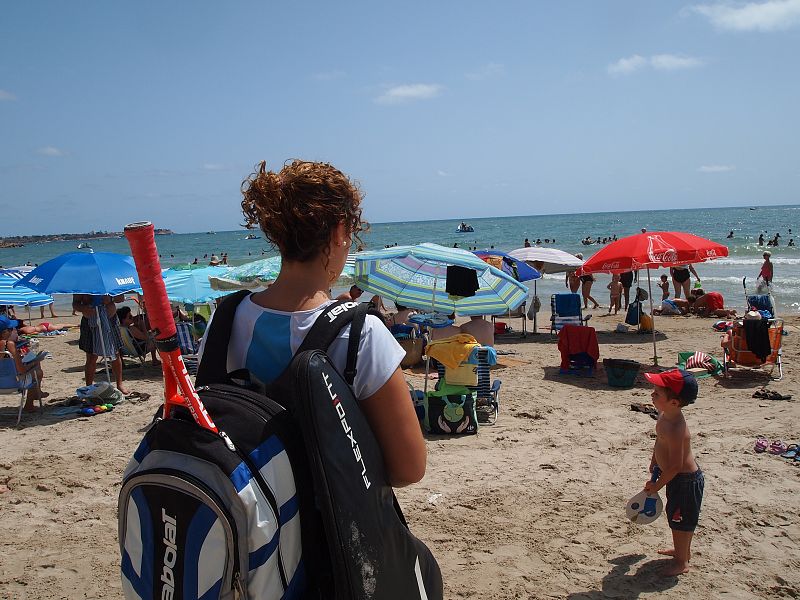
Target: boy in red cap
column 672, row 453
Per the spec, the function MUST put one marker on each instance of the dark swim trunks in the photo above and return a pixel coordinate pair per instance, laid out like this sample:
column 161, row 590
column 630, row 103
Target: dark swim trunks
column 85, row 341
column 681, row 275
column 626, row 279
column 585, row 278
column 684, row 497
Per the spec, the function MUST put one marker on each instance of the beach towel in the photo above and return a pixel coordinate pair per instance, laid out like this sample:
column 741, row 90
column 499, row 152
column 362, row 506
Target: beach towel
column 756, row 335
column 452, row 351
column 568, row 305
column 577, row 339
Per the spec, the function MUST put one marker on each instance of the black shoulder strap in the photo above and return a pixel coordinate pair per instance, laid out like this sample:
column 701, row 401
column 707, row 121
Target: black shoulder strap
column 213, row 365
column 328, row 325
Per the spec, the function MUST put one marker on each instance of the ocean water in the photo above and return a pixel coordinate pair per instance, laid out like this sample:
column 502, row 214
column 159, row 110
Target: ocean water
column 564, row 232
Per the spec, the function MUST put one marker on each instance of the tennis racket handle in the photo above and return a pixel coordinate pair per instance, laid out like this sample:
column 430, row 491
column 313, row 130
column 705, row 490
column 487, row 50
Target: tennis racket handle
column 656, row 473
column 141, row 239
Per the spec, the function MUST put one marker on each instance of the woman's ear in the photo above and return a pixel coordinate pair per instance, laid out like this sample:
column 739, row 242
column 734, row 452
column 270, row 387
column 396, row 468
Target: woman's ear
column 340, row 236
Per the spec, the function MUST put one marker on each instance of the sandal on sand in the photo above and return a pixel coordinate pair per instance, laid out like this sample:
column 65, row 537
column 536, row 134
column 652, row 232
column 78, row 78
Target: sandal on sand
column 777, row 447
column 773, row 395
column 761, row 445
column 762, row 393
column 792, row 451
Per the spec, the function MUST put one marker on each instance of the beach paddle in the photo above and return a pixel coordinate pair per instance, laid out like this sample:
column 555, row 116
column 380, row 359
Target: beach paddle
column 178, row 388
column 645, row 508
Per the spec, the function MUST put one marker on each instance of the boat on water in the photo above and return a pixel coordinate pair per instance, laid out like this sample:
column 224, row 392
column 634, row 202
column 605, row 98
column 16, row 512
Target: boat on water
column 84, row 245
column 464, row 228
column 251, row 236
column 211, row 232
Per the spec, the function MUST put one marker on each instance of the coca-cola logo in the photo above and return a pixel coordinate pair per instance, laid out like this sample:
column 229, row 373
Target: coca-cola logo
column 711, row 252
column 611, row 265
column 658, row 251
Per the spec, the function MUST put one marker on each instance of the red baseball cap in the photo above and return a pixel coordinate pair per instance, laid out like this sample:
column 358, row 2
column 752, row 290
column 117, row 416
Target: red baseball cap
column 681, row 382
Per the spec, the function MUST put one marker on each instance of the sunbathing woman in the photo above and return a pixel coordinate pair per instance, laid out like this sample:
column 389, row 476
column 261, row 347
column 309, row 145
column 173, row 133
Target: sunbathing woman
column 44, row 327
column 25, row 371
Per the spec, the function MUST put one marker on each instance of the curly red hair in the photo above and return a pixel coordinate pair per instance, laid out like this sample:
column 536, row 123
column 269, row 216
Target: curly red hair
column 298, row 207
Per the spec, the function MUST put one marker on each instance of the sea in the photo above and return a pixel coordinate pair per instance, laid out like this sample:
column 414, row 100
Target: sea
column 563, row 231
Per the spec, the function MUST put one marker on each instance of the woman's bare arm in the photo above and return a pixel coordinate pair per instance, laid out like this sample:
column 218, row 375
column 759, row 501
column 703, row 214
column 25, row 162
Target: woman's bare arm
column 394, row 422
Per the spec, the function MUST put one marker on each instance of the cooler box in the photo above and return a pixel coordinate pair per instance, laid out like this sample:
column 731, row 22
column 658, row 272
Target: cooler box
column 621, row 373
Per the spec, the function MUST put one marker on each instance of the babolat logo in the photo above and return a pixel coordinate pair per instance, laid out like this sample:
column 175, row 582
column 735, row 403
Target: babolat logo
column 124, row 280
column 170, row 556
column 348, row 431
column 337, row 310
column 36, row 280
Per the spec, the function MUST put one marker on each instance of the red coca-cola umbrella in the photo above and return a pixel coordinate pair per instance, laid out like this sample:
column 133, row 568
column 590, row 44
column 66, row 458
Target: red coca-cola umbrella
column 653, row 250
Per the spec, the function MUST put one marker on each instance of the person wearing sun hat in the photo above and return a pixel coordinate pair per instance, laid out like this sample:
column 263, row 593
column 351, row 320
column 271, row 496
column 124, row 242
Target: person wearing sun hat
column 25, row 371
column 672, row 454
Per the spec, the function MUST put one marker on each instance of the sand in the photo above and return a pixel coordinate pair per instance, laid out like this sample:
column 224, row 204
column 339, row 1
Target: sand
column 532, row 507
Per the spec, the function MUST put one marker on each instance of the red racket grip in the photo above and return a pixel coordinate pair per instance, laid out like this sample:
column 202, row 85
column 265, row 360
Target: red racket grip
column 178, row 388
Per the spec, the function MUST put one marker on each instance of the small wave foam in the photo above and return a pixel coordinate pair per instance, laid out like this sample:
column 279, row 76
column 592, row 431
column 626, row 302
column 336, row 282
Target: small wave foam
column 757, row 261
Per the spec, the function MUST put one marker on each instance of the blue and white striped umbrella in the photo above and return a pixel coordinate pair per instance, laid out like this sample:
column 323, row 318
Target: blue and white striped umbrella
column 260, row 273
column 19, row 296
column 416, row 276
column 191, row 285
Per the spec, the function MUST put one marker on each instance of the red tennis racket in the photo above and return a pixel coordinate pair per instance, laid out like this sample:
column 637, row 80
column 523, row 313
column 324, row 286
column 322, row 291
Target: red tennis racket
column 178, row 388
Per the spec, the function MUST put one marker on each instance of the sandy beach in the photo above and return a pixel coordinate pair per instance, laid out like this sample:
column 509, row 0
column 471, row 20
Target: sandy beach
column 532, row 507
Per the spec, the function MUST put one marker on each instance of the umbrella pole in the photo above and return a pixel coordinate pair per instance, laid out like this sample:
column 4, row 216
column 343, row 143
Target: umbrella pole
column 102, row 342
column 652, row 317
column 535, row 295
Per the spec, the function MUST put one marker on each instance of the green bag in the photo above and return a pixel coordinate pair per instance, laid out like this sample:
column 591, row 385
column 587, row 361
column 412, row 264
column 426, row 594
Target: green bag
column 450, row 410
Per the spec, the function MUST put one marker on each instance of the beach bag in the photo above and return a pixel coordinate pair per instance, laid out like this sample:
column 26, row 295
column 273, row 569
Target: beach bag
column 647, row 323
column 501, row 327
column 634, row 313
column 450, row 411
column 291, row 501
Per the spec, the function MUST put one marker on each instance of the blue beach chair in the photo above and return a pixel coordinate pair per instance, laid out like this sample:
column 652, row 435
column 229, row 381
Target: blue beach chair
column 566, row 309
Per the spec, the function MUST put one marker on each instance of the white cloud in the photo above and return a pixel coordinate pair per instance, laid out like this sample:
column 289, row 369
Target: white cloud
column 7, row 96
column 407, row 93
column 772, row 15
column 627, row 65
column 659, row 62
column 329, row 75
column 716, row 168
column 50, row 151
column 441, row 173
column 487, row 71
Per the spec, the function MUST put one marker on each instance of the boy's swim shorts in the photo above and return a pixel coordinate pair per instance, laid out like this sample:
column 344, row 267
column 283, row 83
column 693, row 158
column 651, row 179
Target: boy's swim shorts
column 684, row 497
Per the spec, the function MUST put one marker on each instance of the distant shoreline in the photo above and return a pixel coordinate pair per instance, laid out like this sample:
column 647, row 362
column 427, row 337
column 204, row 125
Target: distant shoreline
column 21, row 240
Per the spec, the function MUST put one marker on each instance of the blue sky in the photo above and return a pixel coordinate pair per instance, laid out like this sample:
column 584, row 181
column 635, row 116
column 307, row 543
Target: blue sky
column 118, row 112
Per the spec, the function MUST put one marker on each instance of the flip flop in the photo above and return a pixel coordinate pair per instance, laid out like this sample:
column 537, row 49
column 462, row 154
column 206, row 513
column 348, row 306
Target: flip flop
column 773, row 395
column 777, row 447
column 761, row 445
column 762, row 393
column 792, row 451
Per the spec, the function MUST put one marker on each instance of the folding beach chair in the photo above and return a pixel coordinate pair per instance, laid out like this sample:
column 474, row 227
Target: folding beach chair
column 129, row 348
column 763, row 304
column 486, row 391
column 188, row 346
column 737, row 353
column 10, row 382
column 566, row 309
column 518, row 313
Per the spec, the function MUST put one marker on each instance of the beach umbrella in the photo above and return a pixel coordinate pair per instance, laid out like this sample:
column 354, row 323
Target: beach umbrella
column 546, row 260
column 653, row 250
column 416, row 276
column 19, row 296
column 518, row 269
column 191, row 285
column 261, row 273
column 96, row 273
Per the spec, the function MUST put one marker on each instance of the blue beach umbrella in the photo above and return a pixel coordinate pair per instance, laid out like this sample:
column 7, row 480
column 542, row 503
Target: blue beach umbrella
column 416, row 276
column 19, row 296
column 518, row 269
column 96, row 273
column 192, row 286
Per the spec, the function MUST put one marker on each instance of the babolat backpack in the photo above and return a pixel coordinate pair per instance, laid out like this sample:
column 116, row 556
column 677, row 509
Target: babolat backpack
column 289, row 500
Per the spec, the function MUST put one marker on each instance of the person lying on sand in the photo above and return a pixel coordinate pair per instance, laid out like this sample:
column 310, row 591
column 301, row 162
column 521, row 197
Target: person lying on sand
column 44, row 327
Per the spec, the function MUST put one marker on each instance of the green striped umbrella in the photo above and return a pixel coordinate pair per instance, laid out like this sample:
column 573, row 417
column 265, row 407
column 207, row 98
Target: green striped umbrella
column 261, row 273
column 416, row 276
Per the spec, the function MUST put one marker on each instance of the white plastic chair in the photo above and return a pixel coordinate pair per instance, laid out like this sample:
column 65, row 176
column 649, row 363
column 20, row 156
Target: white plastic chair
column 10, row 382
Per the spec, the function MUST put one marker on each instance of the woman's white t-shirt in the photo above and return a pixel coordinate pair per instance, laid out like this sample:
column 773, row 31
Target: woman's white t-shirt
column 264, row 340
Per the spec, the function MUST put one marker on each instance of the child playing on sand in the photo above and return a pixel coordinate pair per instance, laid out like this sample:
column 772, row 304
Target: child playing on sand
column 672, row 453
column 615, row 293
column 664, row 285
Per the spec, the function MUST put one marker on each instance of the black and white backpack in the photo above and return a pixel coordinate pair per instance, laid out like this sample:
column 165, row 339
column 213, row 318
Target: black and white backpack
column 289, row 500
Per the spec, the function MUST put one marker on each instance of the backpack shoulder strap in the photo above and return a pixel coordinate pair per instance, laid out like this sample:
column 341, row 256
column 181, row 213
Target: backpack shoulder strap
column 213, row 365
column 333, row 319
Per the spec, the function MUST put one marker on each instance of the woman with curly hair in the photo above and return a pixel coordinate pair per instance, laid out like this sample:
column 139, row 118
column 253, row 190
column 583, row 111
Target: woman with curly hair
column 311, row 212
